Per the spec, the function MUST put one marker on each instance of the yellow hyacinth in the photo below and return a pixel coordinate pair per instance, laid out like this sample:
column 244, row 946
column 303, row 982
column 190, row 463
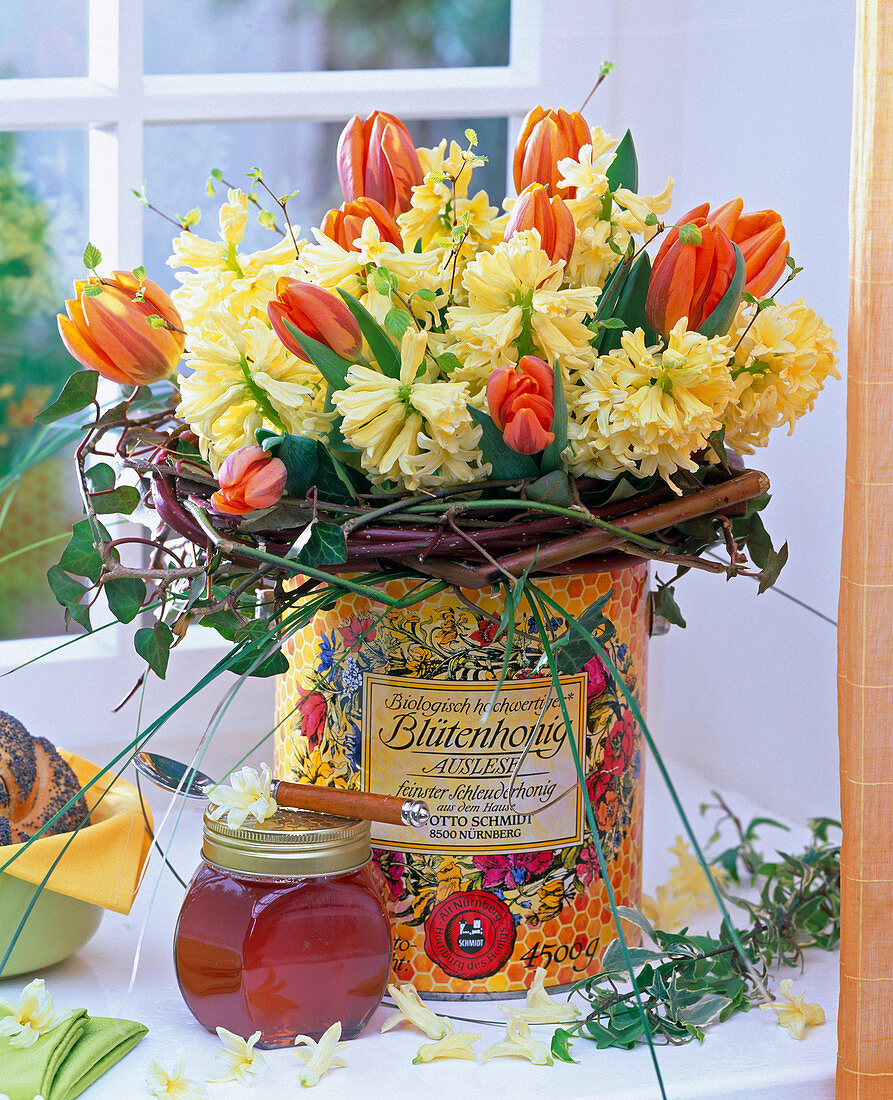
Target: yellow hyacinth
column 781, row 363
column 655, row 406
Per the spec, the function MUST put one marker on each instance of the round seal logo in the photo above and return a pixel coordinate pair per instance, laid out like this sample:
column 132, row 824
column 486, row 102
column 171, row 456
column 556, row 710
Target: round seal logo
column 471, row 934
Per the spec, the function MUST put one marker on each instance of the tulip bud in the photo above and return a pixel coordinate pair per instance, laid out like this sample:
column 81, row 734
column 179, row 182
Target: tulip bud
column 318, row 314
column 760, row 236
column 249, row 479
column 688, row 280
column 377, row 159
column 546, row 137
column 520, row 403
column 345, row 225
column 111, row 333
column 549, row 217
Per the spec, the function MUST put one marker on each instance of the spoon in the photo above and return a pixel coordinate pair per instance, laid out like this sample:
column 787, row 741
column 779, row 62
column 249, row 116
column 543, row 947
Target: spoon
column 171, row 775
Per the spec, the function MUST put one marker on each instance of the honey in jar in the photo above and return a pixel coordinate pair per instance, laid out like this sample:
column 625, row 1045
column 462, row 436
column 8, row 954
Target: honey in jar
column 283, row 928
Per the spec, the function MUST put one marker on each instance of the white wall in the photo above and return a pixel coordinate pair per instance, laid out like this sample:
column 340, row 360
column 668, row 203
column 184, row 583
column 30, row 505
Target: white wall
column 756, row 100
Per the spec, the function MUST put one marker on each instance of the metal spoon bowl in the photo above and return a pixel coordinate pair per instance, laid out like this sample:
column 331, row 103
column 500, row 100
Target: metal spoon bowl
column 172, row 775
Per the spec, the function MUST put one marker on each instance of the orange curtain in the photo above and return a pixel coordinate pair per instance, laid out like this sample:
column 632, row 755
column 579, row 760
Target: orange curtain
column 865, row 652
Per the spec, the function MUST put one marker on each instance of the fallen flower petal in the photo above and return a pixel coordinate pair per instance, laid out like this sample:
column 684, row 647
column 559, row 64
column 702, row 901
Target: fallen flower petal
column 796, row 1015
column 248, row 796
column 457, row 1044
column 540, row 1008
column 519, row 1043
column 412, row 1011
column 31, row 1016
column 161, row 1083
column 238, row 1059
column 320, row 1056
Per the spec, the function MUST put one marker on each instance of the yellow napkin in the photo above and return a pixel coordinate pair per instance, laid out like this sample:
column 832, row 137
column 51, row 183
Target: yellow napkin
column 102, row 865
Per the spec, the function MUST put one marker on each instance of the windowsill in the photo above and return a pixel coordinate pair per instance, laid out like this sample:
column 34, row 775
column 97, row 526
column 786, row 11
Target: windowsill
column 746, row 1058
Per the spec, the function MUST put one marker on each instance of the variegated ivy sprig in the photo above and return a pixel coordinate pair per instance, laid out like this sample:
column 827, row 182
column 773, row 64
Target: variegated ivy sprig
column 687, row 982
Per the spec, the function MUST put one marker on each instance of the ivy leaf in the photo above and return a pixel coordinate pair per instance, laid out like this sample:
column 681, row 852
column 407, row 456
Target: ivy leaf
column 77, row 393
column 383, row 350
column 561, row 1042
column 120, row 501
column 506, row 462
column 226, row 623
column 775, row 562
column 80, row 556
column 637, row 917
column 613, row 959
column 69, row 593
column 553, row 488
column 255, row 633
column 704, row 1011
column 326, row 546
column 572, row 651
column 125, row 595
column 301, row 464
column 665, row 604
column 101, row 477
column 153, row 644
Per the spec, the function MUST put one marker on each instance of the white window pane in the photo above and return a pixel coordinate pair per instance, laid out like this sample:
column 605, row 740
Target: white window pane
column 42, row 236
column 297, row 36
column 292, row 155
column 43, row 38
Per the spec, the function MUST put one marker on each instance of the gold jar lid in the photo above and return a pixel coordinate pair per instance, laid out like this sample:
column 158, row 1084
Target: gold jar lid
column 290, row 844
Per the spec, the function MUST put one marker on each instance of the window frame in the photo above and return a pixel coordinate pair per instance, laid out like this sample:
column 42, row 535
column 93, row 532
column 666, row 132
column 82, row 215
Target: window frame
column 114, row 103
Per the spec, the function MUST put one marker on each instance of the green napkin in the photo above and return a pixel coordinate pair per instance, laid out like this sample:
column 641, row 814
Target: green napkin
column 66, row 1060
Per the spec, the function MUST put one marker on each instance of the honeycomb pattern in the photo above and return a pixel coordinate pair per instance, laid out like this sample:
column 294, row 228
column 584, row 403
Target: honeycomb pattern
column 571, row 944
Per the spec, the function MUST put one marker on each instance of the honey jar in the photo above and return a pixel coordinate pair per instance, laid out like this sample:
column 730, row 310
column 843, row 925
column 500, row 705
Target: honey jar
column 283, row 928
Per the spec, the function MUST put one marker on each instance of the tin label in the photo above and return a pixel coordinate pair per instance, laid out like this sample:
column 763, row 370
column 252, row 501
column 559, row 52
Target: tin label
column 498, row 782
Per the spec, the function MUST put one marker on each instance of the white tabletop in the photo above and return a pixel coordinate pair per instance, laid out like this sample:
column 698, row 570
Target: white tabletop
column 746, row 1058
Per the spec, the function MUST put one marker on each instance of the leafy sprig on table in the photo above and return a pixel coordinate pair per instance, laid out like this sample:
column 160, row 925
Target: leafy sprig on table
column 688, row 981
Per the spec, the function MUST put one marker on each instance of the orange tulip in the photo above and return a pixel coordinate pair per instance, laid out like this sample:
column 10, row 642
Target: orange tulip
column 110, row 333
column 760, row 236
column 688, row 280
column 520, row 403
column 345, row 225
column 318, row 314
column 249, row 478
column 550, row 217
column 546, row 137
column 377, row 159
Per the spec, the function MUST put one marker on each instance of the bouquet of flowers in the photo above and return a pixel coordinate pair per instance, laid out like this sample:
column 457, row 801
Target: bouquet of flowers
column 433, row 387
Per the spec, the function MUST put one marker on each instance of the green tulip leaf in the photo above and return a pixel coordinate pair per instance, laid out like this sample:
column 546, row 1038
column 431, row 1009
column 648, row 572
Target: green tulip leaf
column 506, row 462
column 623, row 170
column 380, row 344
column 77, row 393
column 552, row 454
column 153, row 644
column 630, row 306
column 720, row 320
column 329, row 363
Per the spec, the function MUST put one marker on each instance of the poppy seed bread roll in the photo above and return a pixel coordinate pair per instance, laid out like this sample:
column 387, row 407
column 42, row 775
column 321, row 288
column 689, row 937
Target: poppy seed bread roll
column 35, row 783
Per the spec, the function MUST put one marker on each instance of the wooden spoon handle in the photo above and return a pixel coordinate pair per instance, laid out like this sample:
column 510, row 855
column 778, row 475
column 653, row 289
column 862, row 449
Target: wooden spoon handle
column 335, row 800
